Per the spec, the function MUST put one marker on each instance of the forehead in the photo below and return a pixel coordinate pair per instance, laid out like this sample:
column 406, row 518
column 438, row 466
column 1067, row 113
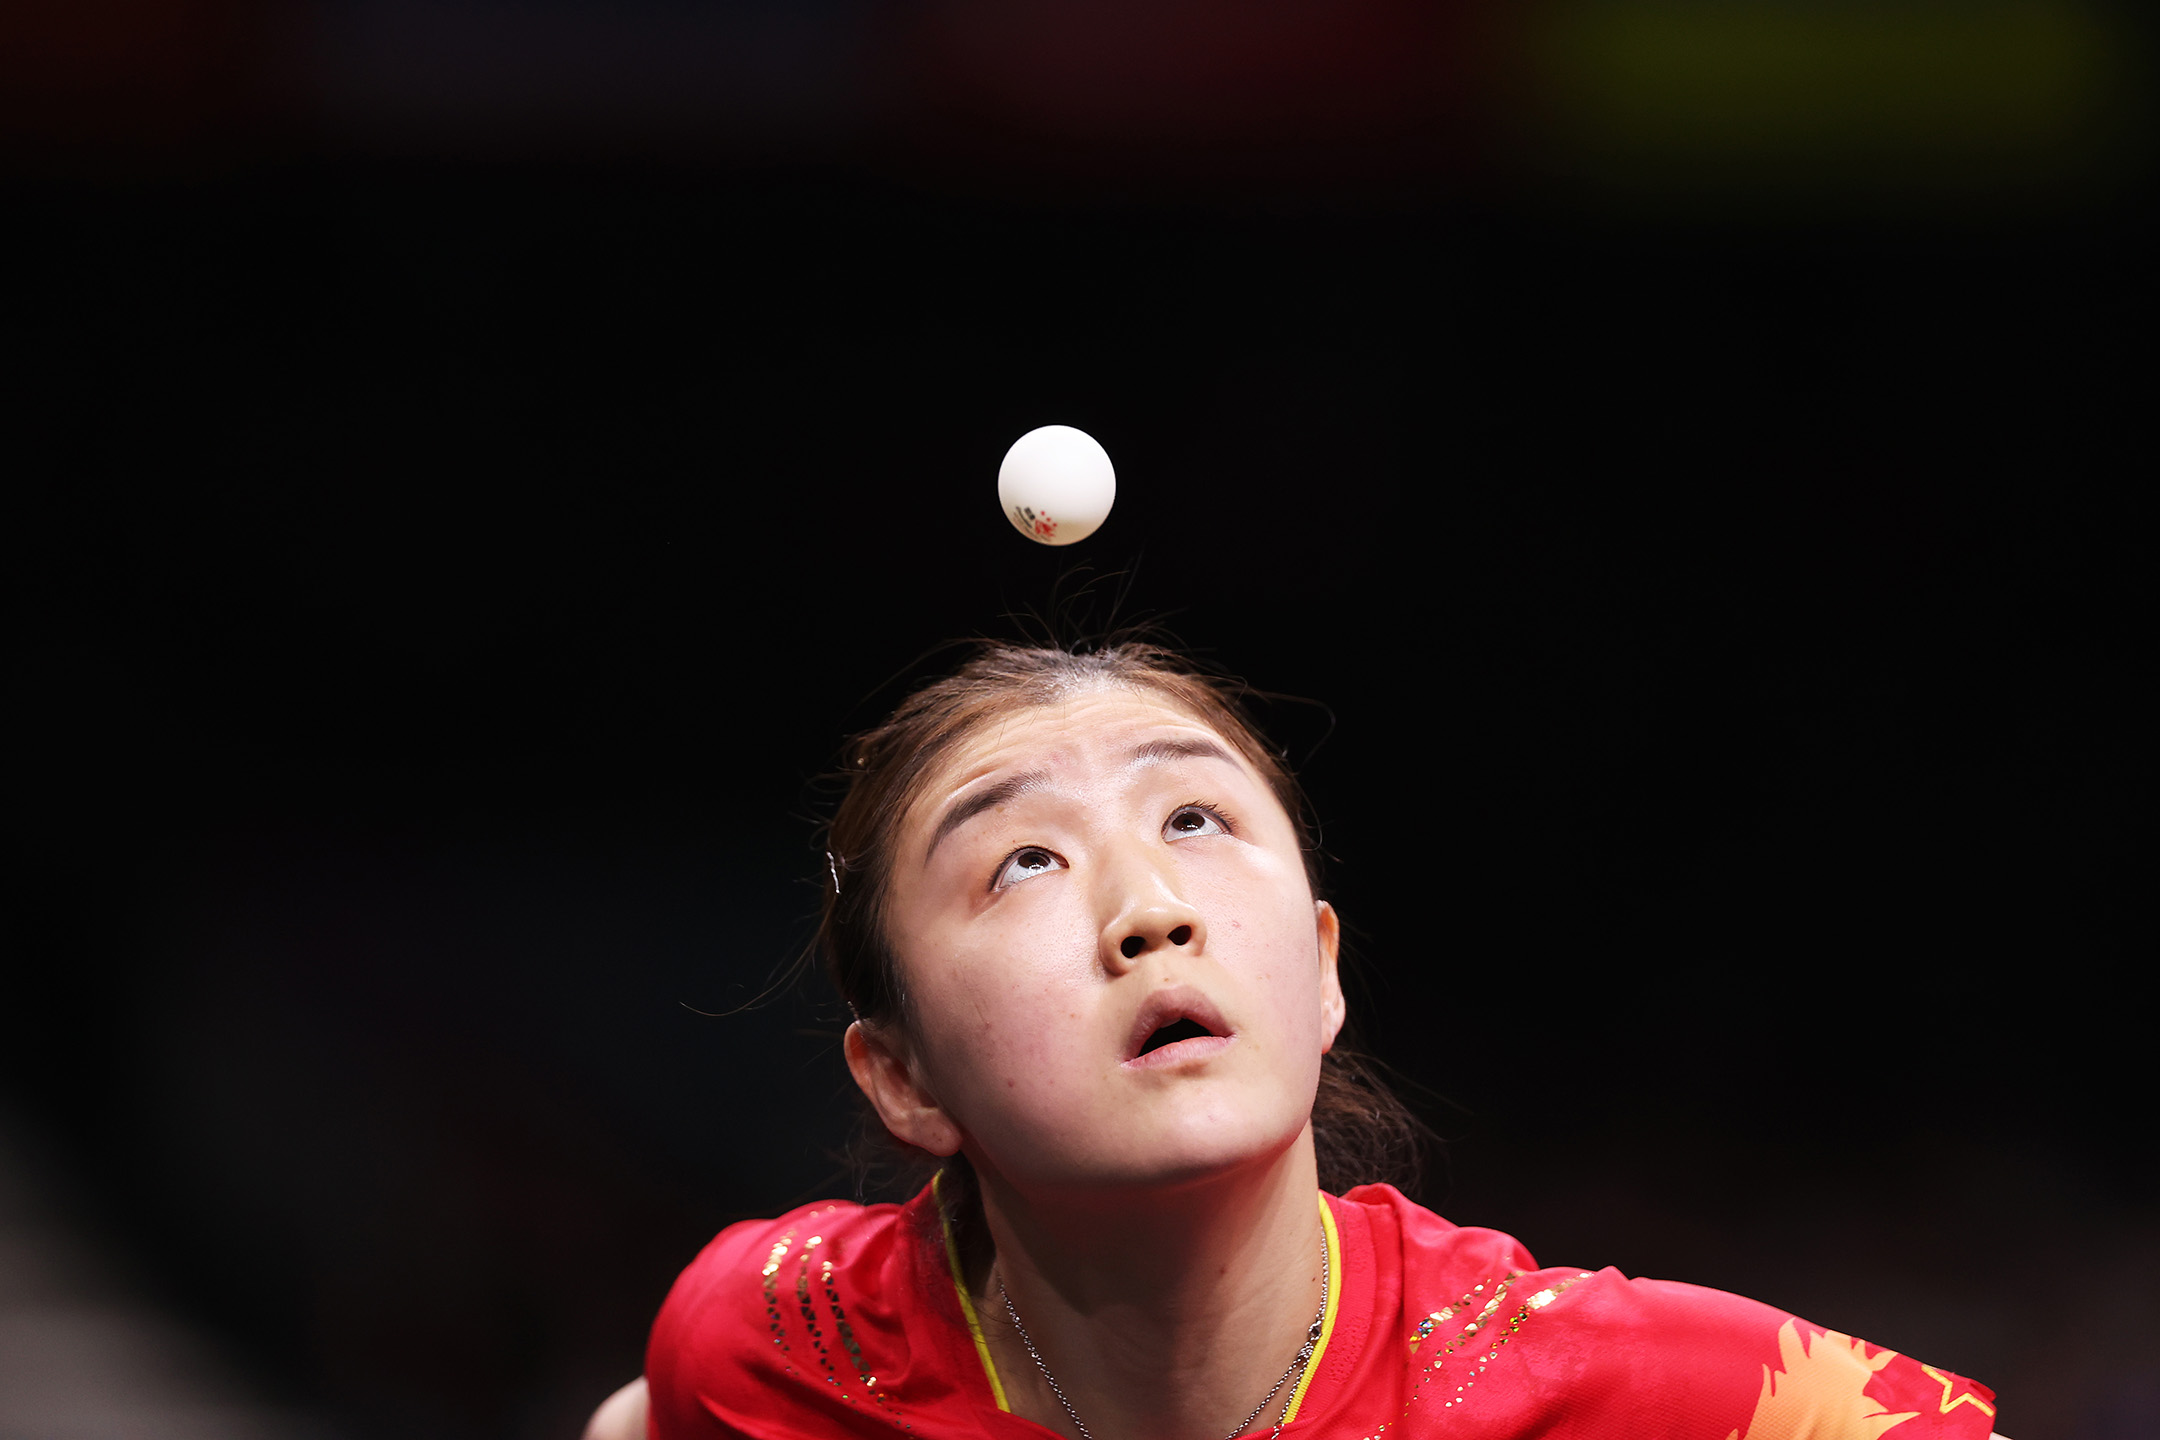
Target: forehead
column 1072, row 734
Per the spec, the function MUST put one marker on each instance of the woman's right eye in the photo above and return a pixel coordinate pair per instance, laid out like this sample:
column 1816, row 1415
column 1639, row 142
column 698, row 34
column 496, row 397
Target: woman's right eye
column 1033, row 860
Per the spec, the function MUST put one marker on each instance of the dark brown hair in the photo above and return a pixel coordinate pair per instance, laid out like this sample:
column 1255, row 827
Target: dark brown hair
column 1361, row 1131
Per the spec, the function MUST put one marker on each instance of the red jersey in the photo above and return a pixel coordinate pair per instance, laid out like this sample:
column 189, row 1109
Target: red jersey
column 844, row 1320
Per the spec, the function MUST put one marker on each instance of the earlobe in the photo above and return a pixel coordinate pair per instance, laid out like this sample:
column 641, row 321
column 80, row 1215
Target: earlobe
column 910, row 1112
column 1332, row 1009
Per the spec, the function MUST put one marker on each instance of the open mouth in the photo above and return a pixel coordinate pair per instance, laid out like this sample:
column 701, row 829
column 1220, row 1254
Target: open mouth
column 1172, row 1033
column 1177, row 1025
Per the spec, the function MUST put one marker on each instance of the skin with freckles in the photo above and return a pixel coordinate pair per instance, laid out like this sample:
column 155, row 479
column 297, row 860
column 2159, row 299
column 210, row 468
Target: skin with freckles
column 1133, row 822
column 1074, row 878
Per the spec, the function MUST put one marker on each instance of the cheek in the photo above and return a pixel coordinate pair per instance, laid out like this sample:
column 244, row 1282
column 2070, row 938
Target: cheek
column 1009, row 1019
column 1259, row 913
column 1268, row 936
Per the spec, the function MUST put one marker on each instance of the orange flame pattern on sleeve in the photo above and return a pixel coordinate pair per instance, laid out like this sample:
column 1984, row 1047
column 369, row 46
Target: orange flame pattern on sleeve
column 1821, row 1391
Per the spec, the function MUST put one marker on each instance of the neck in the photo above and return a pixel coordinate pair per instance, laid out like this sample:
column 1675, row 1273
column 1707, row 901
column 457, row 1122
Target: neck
column 1163, row 1316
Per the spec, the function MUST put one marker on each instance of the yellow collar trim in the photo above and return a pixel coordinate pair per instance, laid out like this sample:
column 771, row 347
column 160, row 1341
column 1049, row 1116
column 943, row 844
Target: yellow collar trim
column 959, row 1285
column 1327, row 1321
column 982, row 1347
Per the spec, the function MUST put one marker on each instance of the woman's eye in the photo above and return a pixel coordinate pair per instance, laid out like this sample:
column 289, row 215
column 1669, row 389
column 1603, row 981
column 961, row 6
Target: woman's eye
column 1193, row 820
column 1031, row 861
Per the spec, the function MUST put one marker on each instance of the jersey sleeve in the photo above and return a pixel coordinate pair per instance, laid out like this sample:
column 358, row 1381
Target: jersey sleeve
column 1698, row 1362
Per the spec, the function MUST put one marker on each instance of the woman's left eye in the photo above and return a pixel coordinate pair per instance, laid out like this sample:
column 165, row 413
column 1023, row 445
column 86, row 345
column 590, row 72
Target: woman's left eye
column 1189, row 820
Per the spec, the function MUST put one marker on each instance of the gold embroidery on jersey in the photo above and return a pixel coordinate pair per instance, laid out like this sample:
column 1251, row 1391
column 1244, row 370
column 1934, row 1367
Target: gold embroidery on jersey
column 773, row 1260
column 776, row 1320
column 847, row 1338
column 1479, row 1336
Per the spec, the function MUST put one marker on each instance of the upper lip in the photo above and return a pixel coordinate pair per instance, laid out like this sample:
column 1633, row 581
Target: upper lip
column 1169, row 1005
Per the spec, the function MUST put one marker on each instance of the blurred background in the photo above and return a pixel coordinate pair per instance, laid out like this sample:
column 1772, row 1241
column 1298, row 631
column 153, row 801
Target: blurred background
column 471, row 460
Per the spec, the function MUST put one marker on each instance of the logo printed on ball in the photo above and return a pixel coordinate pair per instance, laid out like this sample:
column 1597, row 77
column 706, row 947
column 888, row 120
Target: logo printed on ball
column 1036, row 525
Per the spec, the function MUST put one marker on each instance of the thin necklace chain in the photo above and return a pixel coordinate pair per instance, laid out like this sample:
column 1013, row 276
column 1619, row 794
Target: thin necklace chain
column 1297, row 1365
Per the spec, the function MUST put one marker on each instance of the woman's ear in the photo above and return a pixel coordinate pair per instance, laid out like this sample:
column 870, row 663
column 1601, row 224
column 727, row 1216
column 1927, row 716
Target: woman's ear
column 1332, row 1009
column 909, row 1110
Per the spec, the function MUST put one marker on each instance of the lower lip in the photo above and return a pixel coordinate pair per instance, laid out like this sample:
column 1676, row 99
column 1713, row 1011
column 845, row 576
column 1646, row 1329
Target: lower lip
column 1184, row 1052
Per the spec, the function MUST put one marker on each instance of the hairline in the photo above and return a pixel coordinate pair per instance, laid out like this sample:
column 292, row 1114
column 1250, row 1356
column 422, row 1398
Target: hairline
column 1060, row 691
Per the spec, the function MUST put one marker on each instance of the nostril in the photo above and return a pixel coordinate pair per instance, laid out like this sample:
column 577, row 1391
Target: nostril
column 1131, row 946
column 1182, row 935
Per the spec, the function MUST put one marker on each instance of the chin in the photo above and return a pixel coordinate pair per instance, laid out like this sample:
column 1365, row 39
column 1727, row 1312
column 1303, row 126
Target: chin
column 1188, row 1135
column 1193, row 1150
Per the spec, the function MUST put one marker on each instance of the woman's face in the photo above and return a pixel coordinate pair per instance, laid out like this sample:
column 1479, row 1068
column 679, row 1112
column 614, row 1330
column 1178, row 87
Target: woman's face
column 1075, row 880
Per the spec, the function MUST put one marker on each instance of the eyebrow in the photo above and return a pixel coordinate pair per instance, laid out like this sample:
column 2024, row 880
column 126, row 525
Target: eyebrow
column 1012, row 787
column 1181, row 750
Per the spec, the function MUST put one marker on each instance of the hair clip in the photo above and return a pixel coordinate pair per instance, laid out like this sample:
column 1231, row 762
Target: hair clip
column 834, row 867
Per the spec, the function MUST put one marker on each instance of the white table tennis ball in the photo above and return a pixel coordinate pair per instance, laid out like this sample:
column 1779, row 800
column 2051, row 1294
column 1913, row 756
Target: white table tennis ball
column 1056, row 485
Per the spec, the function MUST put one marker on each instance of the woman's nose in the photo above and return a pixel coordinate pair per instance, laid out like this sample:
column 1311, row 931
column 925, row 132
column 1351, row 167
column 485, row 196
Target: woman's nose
column 1156, row 918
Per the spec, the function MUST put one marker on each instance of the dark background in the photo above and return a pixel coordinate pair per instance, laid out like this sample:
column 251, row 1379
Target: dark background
column 441, row 566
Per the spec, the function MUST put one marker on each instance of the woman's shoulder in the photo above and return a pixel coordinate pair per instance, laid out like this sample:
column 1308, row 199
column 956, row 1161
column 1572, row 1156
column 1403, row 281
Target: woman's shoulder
column 749, row 1247
column 730, row 1292
column 1435, row 1249
column 808, row 1319
column 1562, row 1350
